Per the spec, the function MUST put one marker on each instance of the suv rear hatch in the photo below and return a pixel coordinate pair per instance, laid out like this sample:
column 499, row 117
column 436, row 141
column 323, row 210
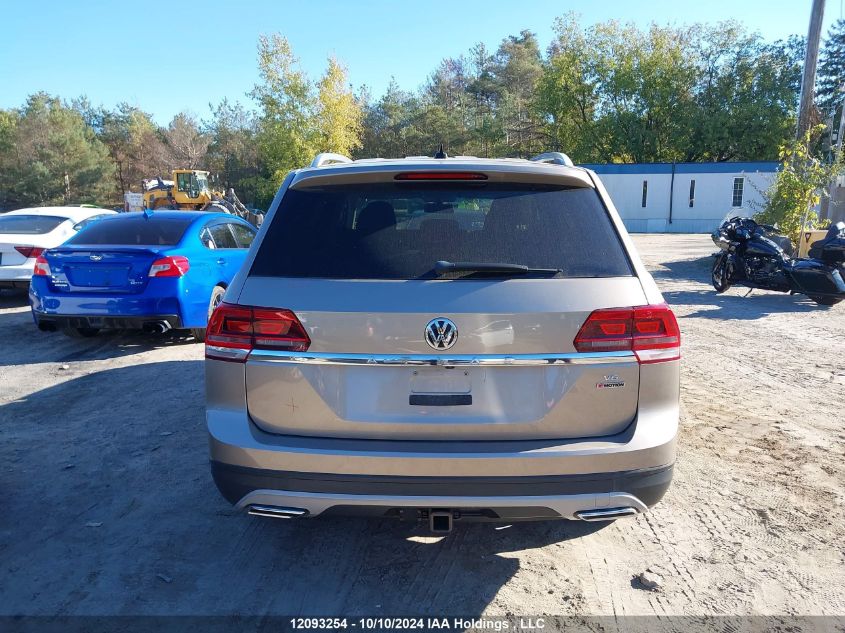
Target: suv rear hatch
column 358, row 266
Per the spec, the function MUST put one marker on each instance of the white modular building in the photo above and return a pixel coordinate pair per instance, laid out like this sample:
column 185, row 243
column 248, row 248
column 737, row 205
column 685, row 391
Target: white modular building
column 684, row 197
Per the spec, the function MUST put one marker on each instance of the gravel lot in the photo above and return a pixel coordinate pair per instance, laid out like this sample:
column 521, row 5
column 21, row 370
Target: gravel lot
column 107, row 505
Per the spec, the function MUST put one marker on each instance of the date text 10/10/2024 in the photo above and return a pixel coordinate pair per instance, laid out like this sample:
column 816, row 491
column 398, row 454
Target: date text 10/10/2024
column 419, row 623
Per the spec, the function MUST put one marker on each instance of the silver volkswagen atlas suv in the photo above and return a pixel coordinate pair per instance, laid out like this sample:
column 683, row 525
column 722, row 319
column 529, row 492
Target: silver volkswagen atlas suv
column 443, row 339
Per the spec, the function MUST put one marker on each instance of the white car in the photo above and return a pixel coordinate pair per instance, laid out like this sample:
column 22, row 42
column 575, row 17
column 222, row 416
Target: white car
column 26, row 233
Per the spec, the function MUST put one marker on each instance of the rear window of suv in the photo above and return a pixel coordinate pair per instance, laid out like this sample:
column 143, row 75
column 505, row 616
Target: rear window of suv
column 400, row 230
column 133, row 231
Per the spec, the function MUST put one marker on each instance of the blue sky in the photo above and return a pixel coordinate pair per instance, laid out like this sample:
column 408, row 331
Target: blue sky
column 167, row 57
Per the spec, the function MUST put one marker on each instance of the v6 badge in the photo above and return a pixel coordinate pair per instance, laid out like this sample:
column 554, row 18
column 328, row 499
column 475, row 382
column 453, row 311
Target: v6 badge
column 610, row 382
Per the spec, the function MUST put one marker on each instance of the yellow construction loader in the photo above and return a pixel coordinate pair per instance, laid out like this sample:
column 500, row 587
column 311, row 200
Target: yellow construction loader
column 189, row 190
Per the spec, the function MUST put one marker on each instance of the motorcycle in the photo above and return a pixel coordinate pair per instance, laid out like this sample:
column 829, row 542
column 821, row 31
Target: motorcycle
column 756, row 256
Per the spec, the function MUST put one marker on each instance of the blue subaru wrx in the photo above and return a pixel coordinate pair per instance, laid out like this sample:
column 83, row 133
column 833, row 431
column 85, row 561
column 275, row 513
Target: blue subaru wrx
column 153, row 271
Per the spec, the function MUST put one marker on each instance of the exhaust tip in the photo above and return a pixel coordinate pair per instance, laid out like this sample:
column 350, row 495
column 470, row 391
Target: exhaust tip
column 156, row 327
column 276, row 512
column 606, row 514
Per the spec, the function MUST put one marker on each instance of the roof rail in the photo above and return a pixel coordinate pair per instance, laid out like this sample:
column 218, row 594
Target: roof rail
column 556, row 158
column 328, row 158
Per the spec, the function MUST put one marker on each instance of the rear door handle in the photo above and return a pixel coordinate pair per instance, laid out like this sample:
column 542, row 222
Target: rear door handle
column 221, row 261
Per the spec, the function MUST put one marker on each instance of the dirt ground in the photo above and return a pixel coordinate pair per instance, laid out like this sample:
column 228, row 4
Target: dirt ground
column 107, row 505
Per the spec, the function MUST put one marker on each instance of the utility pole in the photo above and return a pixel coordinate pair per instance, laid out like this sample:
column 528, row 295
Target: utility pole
column 832, row 201
column 811, row 58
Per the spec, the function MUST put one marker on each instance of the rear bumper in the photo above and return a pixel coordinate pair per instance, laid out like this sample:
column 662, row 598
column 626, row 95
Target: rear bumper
column 12, row 283
column 503, row 480
column 55, row 322
column 505, row 498
column 52, row 310
column 16, row 275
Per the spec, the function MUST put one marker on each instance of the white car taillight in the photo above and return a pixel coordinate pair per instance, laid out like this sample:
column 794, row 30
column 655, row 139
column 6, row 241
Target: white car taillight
column 29, row 251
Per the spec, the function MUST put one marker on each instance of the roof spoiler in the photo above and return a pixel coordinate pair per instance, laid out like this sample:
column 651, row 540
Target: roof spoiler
column 328, row 158
column 555, row 158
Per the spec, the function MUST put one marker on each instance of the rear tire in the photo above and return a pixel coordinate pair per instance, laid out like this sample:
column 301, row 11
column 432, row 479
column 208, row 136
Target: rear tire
column 825, row 301
column 80, row 332
column 216, row 300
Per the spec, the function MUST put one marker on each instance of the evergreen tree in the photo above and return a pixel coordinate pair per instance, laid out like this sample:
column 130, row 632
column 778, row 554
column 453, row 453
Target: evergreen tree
column 832, row 70
column 232, row 155
column 54, row 157
column 390, row 125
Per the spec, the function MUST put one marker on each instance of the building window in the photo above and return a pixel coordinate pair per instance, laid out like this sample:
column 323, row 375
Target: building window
column 645, row 193
column 692, row 192
column 737, row 197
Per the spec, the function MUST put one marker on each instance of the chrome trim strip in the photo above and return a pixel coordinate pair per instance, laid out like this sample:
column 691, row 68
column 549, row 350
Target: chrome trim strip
column 225, row 353
column 455, row 360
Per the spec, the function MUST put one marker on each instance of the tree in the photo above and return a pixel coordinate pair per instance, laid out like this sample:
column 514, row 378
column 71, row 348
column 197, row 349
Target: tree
column 567, row 93
column 484, row 92
column 517, row 69
column 614, row 92
column 232, row 154
column 52, row 156
column 746, row 94
column 339, row 114
column 299, row 117
column 832, row 69
column 798, row 187
column 445, row 113
column 287, row 135
column 186, row 143
column 646, row 83
column 8, row 132
column 134, row 141
column 388, row 129
column 8, row 123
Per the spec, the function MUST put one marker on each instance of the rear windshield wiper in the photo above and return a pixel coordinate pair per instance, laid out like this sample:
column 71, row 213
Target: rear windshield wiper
column 490, row 268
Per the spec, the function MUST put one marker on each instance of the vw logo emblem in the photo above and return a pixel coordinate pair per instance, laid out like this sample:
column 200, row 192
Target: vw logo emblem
column 441, row 333
column 95, row 258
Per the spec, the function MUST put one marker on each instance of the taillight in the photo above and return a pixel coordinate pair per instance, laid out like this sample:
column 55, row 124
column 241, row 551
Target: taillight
column 440, row 175
column 651, row 332
column 173, row 266
column 42, row 268
column 234, row 331
column 29, row 251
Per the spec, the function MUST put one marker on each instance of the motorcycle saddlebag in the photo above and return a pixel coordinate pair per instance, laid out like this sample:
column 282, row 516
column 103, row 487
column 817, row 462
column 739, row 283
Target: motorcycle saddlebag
column 815, row 277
